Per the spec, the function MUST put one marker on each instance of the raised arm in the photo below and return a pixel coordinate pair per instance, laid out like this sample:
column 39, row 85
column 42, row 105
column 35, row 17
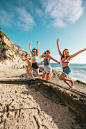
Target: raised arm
column 54, row 59
column 58, row 47
column 30, row 47
column 75, row 54
column 37, row 48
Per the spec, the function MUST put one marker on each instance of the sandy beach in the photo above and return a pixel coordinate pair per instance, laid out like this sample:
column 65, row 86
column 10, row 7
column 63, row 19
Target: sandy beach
column 23, row 107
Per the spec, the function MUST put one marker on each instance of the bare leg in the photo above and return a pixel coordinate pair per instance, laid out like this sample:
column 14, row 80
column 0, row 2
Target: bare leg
column 27, row 70
column 30, row 72
column 37, row 72
column 65, row 79
column 49, row 75
column 54, row 73
column 67, row 83
column 72, row 83
column 43, row 75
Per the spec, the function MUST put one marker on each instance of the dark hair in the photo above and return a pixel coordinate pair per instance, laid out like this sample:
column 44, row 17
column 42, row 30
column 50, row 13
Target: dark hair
column 34, row 49
column 63, row 54
column 47, row 51
column 25, row 54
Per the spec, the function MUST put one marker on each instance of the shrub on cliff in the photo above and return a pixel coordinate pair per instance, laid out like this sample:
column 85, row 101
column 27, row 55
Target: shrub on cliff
column 3, row 47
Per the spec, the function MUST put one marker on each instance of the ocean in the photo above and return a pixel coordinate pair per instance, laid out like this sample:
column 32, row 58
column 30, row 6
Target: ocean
column 78, row 71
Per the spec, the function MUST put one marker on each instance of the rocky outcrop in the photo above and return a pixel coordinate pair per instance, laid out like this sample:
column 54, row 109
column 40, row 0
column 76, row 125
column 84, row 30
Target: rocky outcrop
column 38, row 104
column 74, row 100
column 9, row 53
column 15, row 63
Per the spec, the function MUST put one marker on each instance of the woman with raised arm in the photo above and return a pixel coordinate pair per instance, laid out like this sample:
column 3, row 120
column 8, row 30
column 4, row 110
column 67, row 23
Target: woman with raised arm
column 28, row 59
column 47, row 68
column 34, row 55
column 65, row 58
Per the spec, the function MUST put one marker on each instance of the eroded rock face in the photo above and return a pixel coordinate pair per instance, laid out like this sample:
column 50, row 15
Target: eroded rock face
column 10, row 52
column 16, row 63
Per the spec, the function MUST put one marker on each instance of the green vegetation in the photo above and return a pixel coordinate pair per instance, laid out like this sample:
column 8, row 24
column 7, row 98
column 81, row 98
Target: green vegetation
column 84, row 83
column 58, row 73
column 1, row 35
column 12, row 56
column 3, row 47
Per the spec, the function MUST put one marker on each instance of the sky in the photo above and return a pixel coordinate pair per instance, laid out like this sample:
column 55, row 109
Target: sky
column 46, row 20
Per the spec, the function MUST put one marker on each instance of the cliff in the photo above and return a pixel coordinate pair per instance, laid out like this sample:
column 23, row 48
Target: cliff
column 9, row 52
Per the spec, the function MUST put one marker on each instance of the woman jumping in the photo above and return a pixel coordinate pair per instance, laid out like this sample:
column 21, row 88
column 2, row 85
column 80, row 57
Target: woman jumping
column 47, row 68
column 65, row 58
column 28, row 59
column 34, row 56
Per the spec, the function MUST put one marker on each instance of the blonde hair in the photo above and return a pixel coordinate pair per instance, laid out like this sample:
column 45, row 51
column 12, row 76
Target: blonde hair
column 44, row 54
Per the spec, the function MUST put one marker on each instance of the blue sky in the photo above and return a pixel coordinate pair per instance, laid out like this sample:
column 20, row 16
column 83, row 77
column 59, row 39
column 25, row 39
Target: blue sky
column 46, row 20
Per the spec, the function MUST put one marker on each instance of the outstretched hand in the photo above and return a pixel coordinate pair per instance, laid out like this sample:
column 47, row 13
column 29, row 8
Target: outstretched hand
column 57, row 40
column 58, row 62
column 30, row 42
column 37, row 42
column 41, row 63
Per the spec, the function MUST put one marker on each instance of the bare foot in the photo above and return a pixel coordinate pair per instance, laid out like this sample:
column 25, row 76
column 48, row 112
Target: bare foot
column 54, row 73
column 72, row 83
column 34, row 78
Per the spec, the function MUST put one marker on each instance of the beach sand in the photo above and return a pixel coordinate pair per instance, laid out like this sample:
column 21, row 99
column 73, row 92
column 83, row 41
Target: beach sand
column 22, row 107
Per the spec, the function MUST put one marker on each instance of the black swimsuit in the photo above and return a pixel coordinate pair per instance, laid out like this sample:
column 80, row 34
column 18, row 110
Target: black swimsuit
column 35, row 65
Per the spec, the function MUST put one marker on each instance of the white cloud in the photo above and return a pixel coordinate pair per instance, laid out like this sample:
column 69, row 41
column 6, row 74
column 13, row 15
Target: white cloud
column 79, row 59
column 6, row 18
column 63, row 10
column 58, row 23
column 25, row 20
column 39, row 12
column 20, row 18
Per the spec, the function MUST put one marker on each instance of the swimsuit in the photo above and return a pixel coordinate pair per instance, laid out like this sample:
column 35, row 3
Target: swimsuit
column 65, row 61
column 66, row 70
column 34, row 65
column 47, row 67
column 34, row 57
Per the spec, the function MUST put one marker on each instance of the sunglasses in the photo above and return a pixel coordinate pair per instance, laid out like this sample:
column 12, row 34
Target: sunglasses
column 48, row 51
column 34, row 51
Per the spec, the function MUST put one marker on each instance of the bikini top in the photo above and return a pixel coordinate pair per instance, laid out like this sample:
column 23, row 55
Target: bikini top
column 65, row 61
column 46, row 62
column 34, row 57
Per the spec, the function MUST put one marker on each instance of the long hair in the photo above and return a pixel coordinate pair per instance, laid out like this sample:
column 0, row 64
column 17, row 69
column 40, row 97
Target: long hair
column 44, row 54
column 34, row 49
column 63, row 54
